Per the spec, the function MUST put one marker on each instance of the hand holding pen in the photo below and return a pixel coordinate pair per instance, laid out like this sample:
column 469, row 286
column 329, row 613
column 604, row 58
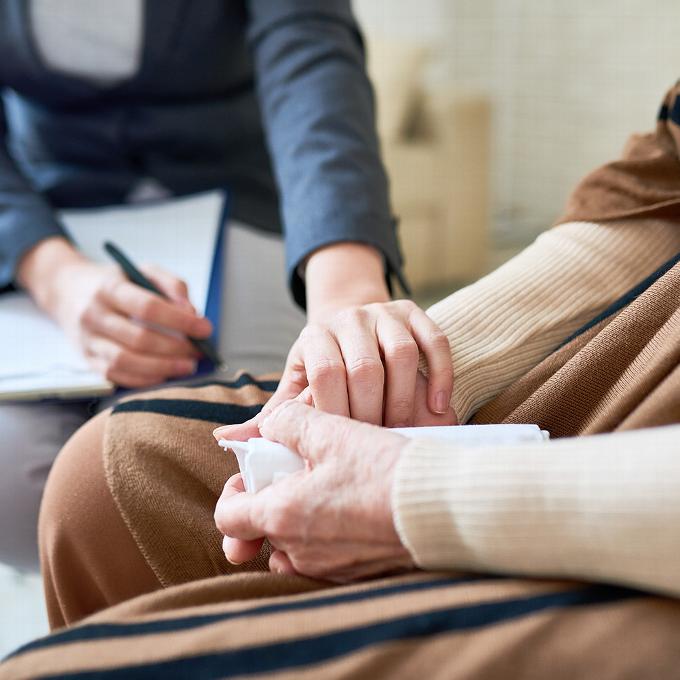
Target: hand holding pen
column 202, row 345
column 134, row 337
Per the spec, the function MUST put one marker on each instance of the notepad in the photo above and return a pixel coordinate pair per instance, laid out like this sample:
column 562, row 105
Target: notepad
column 263, row 462
column 36, row 359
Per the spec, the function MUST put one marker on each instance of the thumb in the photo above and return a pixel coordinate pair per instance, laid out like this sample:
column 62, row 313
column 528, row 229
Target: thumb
column 241, row 432
column 313, row 434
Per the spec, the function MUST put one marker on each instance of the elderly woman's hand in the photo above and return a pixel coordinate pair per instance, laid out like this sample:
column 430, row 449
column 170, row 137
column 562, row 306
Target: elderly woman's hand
column 332, row 520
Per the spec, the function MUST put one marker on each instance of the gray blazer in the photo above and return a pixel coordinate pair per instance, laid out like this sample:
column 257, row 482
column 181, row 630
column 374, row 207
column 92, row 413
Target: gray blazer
column 266, row 98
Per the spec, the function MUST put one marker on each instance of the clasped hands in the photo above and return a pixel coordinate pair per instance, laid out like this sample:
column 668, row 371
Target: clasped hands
column 333, row 520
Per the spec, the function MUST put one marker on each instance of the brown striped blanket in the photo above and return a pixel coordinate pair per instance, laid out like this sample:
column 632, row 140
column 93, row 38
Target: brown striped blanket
column 437, row 626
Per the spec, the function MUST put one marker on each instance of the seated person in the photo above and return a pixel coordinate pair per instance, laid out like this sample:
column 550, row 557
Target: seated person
column 580, row 334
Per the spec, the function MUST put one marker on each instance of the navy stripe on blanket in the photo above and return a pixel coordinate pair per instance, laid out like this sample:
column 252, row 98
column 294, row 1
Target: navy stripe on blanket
column 220, row 412
column 102, row 631
column 305, row 651
column 625, row 299
column 242, row 381
column 210, row 411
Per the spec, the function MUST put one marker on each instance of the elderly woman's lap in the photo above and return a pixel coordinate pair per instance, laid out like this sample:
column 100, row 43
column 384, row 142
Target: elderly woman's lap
column 129, row 511
column 129, row 504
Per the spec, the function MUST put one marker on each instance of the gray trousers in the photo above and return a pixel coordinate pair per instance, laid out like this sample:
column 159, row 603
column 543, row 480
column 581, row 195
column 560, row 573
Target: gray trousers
column 259, row 322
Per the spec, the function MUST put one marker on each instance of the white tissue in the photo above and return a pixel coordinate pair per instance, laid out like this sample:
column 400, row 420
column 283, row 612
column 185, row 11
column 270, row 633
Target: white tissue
column 263, row 462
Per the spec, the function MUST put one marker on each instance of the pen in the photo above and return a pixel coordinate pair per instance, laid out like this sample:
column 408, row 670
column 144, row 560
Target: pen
column 203, row 346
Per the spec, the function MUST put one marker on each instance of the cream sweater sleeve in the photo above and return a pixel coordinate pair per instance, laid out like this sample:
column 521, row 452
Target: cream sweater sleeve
column 604, row 507
column 509, row 321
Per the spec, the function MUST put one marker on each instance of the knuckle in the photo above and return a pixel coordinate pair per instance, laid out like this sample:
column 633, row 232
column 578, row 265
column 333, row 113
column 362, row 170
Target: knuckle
column 438, row 339
column 406, row 306
column 402, row 351
column 141, row 338
column 309, row 333
column 365, row 368
column 349, row 317
column 109, row 286
column 86, row 317
column 117, row 360
column 353, row 316
column 400, row 406
column 148, row 308
column 325, row 370
column 103, row 293
column 439, row 343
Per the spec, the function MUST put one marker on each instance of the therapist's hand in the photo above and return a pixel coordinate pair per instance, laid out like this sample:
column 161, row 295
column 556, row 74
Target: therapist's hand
column 332, row 520
column 131, row 336
column 362, row 362
column 359, row 352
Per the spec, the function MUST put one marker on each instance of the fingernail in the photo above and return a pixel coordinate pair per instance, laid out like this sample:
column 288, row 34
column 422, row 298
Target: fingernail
column 236, row 564
column 441, row 402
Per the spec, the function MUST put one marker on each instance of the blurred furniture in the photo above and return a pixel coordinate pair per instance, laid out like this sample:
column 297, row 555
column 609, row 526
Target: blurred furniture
column 435, row 145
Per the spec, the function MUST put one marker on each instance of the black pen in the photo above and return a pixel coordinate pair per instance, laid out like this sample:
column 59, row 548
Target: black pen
column 203, row 346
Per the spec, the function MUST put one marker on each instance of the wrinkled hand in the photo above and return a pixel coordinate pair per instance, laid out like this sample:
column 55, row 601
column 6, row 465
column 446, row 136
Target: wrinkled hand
column 332, row 520
column 130, row 335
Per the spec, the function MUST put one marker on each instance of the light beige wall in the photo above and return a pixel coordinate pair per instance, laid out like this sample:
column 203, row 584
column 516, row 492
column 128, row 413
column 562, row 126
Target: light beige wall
column 568, row 81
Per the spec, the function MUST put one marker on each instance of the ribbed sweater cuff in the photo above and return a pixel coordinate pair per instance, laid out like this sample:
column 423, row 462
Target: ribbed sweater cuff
column 605, row 507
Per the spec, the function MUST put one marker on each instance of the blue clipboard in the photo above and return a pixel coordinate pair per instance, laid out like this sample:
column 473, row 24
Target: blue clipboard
column 213, row 304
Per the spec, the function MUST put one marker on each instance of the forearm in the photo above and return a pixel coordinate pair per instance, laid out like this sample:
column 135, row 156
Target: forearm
column 343, row 275
column 318, row 112
column 604, row 508
column 506, row 323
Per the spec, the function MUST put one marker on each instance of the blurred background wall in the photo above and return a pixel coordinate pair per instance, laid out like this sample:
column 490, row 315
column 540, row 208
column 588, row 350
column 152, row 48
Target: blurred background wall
column 565, row 84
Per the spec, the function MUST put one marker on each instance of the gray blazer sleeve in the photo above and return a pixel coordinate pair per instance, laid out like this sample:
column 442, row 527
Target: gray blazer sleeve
column 25, row 216
column 318, row 110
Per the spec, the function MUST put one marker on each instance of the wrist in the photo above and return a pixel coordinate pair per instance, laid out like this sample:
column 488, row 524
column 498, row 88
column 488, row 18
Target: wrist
column 344, row 275
column 40, row 268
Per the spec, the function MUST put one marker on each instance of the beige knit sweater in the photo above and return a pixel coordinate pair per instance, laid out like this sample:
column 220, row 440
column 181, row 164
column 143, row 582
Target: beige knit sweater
column 604, row 507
